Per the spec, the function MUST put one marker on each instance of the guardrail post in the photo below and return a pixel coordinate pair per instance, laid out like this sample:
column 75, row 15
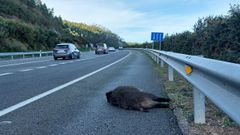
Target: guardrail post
column 170, row 73
column 199, row 106
column 157, row 60
column 23, row 56
column 40, row 54
column 162, row 63
column 12, row 57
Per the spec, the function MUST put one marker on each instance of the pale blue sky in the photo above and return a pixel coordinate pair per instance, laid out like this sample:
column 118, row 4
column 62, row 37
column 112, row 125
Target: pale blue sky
column 134, row 20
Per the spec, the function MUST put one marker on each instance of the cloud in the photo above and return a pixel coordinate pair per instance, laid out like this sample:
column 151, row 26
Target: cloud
column 135, row 20
column 114, row 15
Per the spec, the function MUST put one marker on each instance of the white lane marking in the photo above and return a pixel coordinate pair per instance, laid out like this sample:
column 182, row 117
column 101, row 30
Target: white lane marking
column 3, row 74
column 41, row 67
column 25, row 70
column 85, row 59
column 8, row 65
column 28, row 101
column 5, row 122
column 62, row 63
column 53, row 65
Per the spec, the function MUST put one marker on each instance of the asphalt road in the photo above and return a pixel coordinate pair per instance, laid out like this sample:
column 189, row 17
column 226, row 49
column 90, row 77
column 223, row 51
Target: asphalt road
column 67, row 97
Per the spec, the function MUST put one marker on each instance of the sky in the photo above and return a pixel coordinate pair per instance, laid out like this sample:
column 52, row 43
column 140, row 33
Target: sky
column 134, row 20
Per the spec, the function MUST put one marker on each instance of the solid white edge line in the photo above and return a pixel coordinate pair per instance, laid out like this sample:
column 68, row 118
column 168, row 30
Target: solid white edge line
column 35, row 98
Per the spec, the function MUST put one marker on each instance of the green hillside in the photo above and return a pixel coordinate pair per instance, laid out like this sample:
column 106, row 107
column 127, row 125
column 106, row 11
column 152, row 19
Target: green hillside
column 94, row 33
column 27, row 26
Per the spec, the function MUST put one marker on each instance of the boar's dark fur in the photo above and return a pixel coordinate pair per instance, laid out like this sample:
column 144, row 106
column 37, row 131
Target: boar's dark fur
column 131, row 98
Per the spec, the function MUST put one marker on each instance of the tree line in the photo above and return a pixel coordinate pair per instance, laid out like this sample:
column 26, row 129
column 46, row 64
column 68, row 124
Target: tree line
column 27, row 26
column 95, row 34
column 216, row 37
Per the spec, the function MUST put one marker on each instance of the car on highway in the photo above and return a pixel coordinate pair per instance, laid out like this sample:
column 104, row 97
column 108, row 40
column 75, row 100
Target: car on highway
column 66, row 51
column 120, row 48
column 111, row 49
column 101, row 48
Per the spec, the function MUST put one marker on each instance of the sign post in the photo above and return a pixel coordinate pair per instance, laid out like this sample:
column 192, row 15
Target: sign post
column 157, row 37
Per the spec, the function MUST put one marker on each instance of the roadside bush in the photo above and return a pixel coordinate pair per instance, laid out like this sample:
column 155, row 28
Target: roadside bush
column 13, row 45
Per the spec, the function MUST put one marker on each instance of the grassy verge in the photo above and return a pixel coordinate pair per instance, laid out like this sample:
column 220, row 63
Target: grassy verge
column 217, row 123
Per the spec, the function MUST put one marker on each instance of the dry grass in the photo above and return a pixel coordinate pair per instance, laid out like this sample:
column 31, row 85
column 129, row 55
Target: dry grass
column 217, row 123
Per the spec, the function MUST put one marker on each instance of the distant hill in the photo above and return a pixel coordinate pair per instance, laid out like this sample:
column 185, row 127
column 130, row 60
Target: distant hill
column 27, row 25
column 94, row 34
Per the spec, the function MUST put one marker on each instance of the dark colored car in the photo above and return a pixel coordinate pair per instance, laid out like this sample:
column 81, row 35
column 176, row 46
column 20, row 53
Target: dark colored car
column 101, row 48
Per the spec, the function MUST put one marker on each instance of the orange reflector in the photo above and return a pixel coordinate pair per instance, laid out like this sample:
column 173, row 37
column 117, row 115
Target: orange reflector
column 188, row 69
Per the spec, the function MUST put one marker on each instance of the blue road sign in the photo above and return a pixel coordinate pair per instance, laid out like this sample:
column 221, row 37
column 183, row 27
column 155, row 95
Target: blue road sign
column 157, row 36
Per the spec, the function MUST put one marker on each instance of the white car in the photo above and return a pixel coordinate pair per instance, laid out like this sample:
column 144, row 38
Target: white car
column 120, row 48
column 111, row 49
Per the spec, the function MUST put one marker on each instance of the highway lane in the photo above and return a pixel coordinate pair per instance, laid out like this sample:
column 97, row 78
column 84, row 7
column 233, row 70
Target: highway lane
column 38, row 59
column 20, row 86
column 22, row 64
column 81, row 108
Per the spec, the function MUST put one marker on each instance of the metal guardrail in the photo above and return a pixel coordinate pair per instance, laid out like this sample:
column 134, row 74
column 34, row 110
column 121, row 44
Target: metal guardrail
column 217, row 80
column 13, row 55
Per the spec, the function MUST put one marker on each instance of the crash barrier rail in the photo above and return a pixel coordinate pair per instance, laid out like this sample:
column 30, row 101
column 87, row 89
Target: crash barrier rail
column 15, row 55
column 217, row 80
